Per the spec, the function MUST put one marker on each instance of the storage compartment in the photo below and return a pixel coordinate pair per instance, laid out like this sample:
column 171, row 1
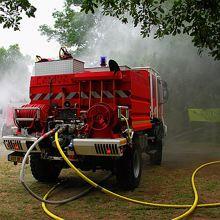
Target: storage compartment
column 56, row 67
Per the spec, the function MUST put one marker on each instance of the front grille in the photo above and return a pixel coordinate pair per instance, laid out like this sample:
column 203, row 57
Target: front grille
column 110, row 149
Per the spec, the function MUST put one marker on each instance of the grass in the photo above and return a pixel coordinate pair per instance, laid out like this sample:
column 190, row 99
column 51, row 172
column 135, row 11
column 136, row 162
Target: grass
column 165, row 184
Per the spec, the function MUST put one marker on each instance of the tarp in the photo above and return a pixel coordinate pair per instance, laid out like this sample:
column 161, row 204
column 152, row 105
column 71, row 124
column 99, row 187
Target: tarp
column 204, row 115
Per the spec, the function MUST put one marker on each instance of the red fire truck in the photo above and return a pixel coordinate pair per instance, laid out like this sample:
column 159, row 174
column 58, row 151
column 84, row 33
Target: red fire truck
column 112, row 115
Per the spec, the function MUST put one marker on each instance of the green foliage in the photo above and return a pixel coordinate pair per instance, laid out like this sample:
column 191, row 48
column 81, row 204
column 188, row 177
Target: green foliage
column 12, row 58
column 70, row 26
column 200, row 19
column 8, row 56
column 11, row 12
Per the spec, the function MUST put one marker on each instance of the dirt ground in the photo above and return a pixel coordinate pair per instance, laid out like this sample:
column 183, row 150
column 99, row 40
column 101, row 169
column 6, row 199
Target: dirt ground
column 169, row 183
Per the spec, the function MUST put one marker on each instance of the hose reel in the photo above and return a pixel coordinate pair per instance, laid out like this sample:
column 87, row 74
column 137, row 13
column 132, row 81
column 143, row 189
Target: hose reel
column 100, row 116
column 31, row 115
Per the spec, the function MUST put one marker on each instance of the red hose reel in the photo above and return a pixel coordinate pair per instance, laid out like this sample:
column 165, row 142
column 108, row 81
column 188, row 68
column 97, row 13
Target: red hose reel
column 31, row 116
column 100, row 116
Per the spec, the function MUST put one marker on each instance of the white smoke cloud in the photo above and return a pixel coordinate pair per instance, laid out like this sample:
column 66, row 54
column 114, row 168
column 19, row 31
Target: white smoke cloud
column 193, row 80
column 14, row 84
column 124, row 43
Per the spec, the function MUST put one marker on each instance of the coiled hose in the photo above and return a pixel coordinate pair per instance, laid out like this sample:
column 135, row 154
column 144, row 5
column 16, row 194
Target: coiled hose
column 44, row 200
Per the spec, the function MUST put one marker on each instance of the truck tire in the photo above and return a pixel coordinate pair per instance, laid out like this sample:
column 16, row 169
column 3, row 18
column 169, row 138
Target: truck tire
column 129, row 169
column 45, row 170
column 156, row 154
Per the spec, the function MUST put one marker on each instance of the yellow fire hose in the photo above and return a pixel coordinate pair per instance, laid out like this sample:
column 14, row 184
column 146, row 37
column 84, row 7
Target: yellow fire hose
column 45, row 208
column 95, row 185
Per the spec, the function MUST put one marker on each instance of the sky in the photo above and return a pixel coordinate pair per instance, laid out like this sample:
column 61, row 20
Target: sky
column 29, row 38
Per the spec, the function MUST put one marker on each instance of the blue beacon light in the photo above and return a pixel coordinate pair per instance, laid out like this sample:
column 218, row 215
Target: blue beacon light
column 103, row 61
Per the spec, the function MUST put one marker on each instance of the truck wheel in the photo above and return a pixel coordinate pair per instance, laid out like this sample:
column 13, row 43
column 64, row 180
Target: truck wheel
column 129, row 168
column 45, row 170
column 156, row 153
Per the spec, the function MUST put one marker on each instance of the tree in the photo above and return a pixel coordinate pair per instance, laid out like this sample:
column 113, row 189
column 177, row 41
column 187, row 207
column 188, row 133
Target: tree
column 200, row 19
column 70, row 26
column 11, row 12
column 9, row 57
column 14, row 74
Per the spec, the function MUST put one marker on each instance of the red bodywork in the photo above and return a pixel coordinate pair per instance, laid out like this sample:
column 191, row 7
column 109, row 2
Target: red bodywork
column 137, row 89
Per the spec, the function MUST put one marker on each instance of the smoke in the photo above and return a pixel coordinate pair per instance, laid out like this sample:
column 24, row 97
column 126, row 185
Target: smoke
column 193, row 80
column 14, row 89
column 14, row 83
column 124, row 43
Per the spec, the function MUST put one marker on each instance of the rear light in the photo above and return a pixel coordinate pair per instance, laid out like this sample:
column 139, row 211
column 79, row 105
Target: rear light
column 108, row 151
column 16, row 147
